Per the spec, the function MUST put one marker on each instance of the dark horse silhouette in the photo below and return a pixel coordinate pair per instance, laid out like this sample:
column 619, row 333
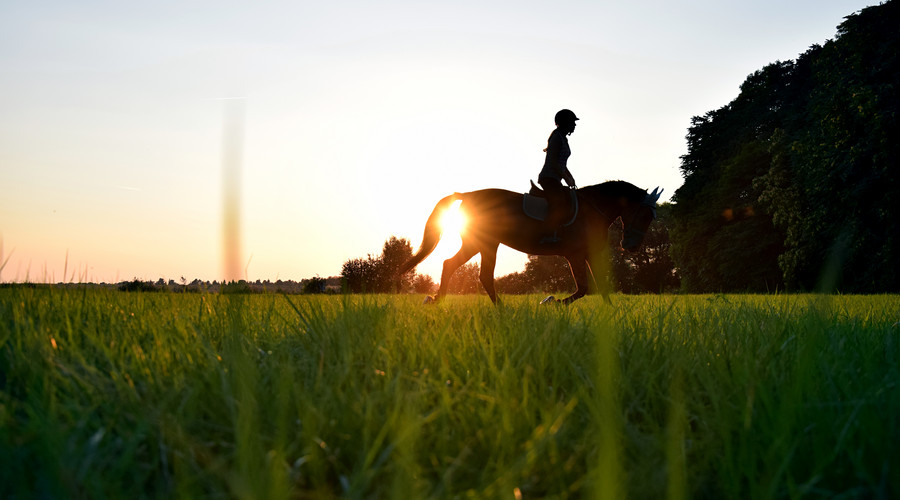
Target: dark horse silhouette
column 495, row 216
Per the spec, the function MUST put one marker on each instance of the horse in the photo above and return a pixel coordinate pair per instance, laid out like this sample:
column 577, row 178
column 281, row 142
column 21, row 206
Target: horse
column 496, row 216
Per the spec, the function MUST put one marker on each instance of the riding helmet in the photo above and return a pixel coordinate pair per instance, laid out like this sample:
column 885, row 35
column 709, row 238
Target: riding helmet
column 565, row 116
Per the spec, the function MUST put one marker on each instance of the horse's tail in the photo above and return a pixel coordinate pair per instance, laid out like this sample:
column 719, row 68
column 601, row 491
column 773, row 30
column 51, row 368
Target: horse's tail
column 433, row 233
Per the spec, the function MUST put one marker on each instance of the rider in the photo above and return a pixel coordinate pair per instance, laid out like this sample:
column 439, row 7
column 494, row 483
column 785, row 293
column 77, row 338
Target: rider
column 555, row 171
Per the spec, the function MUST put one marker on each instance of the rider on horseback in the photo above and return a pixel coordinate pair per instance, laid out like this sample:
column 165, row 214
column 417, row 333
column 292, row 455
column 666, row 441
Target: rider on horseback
column 555, row 171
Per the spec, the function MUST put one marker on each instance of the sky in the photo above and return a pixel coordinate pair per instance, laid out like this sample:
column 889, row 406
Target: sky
column 332, row 126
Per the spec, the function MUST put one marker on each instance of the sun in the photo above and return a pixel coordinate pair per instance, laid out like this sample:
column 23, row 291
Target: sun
column 453, row 220
column 452, row 223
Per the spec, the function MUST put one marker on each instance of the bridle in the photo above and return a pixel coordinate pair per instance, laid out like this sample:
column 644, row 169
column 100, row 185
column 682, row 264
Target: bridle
column 649, row 202
column 629, row 229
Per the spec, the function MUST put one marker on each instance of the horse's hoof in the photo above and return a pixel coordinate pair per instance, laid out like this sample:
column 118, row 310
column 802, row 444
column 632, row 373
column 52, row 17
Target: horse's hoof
column 549, row 300
column 428, row 300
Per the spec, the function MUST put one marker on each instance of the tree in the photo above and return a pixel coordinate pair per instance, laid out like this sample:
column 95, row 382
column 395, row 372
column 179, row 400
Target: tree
column 650, row 268
column 795, row 183
column 834, row 190
column 359, row 275
column 315, row 284
column 513, row 284
column 718, row 223
column 549, row 273
column 422, row 283
column 379, row 274
column 466, row 280
column 396, row 252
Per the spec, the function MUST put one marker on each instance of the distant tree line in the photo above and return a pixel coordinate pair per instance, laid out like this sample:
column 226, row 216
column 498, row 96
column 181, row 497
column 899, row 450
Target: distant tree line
column 794, row 184
column 312, row 285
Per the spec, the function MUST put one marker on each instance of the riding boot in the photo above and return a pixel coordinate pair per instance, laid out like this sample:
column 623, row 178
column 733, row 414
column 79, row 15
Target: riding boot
column 557, row 205
column 552, row 224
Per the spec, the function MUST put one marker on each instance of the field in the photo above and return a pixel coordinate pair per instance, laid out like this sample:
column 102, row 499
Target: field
column 107, row 394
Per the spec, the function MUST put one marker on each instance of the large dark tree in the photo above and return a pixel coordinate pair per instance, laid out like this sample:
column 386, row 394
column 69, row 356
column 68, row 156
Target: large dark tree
column 794, row 182
column 834, row 190
column 722, row 238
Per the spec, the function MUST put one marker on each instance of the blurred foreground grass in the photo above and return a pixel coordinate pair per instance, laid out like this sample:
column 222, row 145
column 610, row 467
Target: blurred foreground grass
column 110, row 394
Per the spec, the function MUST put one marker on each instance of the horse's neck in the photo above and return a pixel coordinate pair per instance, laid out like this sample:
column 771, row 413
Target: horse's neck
column 607, row 207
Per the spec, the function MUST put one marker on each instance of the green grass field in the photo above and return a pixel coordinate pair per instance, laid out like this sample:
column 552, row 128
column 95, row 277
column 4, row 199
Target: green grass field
column 106, row 394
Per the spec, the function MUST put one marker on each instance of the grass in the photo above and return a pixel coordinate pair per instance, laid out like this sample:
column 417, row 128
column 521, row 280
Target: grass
column 109, row 394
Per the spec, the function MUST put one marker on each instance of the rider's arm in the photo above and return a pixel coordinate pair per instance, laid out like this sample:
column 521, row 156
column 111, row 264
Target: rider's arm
column 570, row 181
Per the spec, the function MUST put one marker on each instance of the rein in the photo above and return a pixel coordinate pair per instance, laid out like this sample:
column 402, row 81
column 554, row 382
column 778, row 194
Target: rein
column 589, row 202
column 652, row 206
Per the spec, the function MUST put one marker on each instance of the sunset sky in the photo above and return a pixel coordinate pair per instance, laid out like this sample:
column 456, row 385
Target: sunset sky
column 357, row 117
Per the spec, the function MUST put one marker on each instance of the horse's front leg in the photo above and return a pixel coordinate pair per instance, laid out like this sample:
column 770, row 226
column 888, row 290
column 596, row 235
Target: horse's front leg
column 598, row 264
column 602, row 286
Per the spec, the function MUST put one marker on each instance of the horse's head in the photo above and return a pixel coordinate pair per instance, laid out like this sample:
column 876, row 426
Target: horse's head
column 636, row 218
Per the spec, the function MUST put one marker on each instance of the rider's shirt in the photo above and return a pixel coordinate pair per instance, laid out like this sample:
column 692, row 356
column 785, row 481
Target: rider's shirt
column 558, row 153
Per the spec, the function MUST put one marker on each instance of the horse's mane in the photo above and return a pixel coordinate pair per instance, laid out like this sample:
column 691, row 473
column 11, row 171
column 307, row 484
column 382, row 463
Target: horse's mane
column 610, row 189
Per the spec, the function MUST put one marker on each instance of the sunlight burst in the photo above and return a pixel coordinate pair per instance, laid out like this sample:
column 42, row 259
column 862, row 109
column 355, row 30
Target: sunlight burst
column 453, row 221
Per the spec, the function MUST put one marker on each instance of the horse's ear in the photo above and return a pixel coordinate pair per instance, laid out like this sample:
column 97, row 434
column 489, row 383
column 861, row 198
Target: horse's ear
column 654, row 196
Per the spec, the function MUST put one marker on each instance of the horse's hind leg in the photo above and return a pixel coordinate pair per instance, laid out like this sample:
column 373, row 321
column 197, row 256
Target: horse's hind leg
column 488, row 261
column 452, row 264
column 579, row 268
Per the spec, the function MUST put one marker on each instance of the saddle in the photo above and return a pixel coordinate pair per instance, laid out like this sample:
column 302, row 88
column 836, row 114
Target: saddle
column 534, row 204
